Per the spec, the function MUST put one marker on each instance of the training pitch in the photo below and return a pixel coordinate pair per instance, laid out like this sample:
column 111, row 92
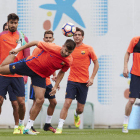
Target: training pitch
column 74, row 134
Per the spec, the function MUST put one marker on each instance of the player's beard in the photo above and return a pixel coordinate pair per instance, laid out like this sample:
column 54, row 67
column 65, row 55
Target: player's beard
column 12, row 29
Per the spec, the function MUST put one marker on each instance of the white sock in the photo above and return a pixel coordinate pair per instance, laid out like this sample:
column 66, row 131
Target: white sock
column 75, row 113
column 126, row 119
column 29, row 124
column 18, row 46
column 21, row 122
column 16, row 126
column 48, row 119
column 61, row 123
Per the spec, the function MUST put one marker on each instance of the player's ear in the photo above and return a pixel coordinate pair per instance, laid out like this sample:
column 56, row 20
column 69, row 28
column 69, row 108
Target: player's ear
column 44, row 39
column 53, row 40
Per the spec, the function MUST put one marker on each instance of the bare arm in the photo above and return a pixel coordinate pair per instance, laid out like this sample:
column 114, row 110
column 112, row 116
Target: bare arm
column 126, row 59
column 95, row 69
column 30, row 44
column 58, row 80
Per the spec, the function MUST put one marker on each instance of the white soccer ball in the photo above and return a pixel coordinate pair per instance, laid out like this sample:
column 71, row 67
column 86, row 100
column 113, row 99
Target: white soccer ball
column 68, row 29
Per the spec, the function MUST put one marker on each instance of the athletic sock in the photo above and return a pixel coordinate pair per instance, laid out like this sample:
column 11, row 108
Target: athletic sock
column 48, row 119
column 16, row 126
column 18, row 46
column 29, row 124
column 21, row 122
column 75, row 113
column 126, row 119
column 61, row 123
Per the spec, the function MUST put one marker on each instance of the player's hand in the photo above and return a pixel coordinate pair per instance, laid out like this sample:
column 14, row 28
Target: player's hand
column 13, row 51
column 58, row 87
column 54, row 78
column 53, row 92
column 89, row 82
column 125, row 72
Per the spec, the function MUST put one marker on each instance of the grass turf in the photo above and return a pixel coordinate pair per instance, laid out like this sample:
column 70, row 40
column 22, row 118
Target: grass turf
column 74, row 134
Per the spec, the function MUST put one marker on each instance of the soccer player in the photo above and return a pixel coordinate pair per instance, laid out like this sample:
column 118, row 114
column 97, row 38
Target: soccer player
column 78, row 80
column 134, row 47
column 48, row 37
column 38, row 67
column 10, row 90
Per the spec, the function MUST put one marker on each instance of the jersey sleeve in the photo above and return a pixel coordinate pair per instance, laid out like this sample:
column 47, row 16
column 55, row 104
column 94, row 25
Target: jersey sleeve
column 92, row 54
column 132, row 44
column 47, row 46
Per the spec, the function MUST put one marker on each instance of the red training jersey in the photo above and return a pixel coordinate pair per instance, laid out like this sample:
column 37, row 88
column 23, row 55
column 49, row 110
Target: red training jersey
column 82, row 56
column 8, row 41
column 48, row 60
column 134, row 47
column 38, row 51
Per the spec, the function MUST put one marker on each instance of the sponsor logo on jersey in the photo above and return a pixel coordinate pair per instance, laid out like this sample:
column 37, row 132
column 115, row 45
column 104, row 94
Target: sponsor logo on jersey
column 62, row 63
column 83, row 52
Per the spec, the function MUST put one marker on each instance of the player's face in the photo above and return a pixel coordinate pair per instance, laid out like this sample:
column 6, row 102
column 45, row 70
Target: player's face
column 65, row 52
column 78, row 38
column 12, row 25
column 6, row 28
column 48, row 38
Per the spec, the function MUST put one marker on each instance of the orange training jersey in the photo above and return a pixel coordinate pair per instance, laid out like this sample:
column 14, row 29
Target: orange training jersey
column 82, row 56
column 134, row 47
column 48, row 60
column 38, row 51
column 8, row 41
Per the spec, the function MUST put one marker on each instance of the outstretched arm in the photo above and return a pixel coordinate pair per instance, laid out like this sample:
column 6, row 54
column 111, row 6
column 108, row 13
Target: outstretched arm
column 58, row 80
column 95, row 69
column 30, row 44
column 125, row 70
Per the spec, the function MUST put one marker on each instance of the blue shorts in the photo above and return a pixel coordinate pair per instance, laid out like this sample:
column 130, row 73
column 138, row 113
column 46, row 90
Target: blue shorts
column 77, row 90
column 48, row 90
column 134, row 87
column 21, row 68
column 14, row 86
column 11, row 93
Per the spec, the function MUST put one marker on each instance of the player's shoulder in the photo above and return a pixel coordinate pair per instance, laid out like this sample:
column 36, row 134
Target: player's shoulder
column 3, row 33
column 136, row 38
column 86, row 46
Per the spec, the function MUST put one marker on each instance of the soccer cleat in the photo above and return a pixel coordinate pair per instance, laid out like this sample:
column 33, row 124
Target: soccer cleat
column 77, row 120
column 34, row 131
column 58, row 131
column 16, row 131
column 125, row 129
column 29, row 132
column 21, row 128
column 48, row 127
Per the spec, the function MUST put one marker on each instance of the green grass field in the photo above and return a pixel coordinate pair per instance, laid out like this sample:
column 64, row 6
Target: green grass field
column 74, row 134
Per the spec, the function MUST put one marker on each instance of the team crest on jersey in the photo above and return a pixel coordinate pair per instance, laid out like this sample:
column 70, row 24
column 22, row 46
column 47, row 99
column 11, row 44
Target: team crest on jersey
column 17, row 41
column 66, row 93
column 62, row 63
column 13, row 67
column 83, row 52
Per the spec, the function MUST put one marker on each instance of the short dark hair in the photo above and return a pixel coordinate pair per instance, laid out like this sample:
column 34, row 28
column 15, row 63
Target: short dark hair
column 5, row 24
column 13, row 16
column 48, row 32
column 70, row 44
column 79, row 29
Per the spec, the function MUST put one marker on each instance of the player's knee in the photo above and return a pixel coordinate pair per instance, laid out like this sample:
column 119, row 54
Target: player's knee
column 67, row 105
column 39, row 101
column 21, row 104
column 80, row 110
column 54, row 103
column 15, row 105
column 132, row 101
